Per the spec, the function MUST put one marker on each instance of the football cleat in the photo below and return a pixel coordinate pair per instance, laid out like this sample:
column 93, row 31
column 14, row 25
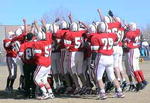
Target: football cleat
column 119, row 95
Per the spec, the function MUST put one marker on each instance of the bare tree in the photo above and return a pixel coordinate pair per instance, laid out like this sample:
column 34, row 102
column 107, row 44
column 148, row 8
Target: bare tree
column 61, row 12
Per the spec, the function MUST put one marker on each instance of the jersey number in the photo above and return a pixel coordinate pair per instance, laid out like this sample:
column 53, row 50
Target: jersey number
column 108, row 43
column 47, row 51
column 78, row 41
column 28, row 53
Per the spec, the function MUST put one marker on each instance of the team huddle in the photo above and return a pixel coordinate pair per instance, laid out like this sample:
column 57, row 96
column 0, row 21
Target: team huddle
column 68, row 57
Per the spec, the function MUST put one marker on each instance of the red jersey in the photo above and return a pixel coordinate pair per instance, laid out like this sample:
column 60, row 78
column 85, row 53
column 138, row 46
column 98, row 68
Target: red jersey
column 116, row 28
column 103, row 43
column 132, row 39
column 73, row 40
column 59, row 39
column 42, row 53
column 26, row 52
column 120, row 35
column 10, row 52
column 87, row 49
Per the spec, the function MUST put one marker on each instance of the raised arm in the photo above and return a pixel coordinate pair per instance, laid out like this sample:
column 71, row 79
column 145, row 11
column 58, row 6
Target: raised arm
column 32, row 28
column 25, row 25
column 70, row 18
column 100, row 14
column 43, row 23
column 37, row 26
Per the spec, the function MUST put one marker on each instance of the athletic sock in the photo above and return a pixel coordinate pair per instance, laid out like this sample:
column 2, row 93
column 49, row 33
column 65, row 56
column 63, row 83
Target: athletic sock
column 49, row 90
column 140, row 72
column 137, row 76
column 119, row 90
column 102, row 91
column 8, row 82
column 42, row 87
column 12, row 82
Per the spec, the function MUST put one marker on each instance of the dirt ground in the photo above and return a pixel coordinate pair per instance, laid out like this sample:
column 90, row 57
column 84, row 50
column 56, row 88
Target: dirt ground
column 130, row 97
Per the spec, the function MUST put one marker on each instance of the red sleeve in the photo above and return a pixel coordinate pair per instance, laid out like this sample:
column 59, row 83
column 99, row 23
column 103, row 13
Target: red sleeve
column 20, row 37
column 22, row 48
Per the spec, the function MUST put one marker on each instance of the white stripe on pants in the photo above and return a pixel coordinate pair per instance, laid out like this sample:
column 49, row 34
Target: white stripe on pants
column 41, row 74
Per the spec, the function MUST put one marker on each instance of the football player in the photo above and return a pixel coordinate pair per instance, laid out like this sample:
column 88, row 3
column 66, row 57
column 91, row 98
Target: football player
column 103, row 44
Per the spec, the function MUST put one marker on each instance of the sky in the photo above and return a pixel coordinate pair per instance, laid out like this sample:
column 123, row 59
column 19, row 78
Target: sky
column 13, row 11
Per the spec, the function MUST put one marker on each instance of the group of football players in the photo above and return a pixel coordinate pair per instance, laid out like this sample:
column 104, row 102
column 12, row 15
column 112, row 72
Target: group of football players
column 79, row 58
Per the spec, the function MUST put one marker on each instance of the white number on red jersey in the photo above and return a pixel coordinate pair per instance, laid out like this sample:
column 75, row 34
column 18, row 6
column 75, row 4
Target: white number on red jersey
column 108, row 43
column 47, row 51
column 120, row 33
column 29, row 53
column 137, row 39
column 78, row 42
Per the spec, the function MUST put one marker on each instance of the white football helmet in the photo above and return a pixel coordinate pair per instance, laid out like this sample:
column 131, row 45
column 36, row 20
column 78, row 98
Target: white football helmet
column 118, row 19
column 102, row 27
column 132, row 26
column 41, row 35
column 53, row 28
column 108, row 19
column 63, row 25
column 74, row 26
column 92, row 28
column 11, row 34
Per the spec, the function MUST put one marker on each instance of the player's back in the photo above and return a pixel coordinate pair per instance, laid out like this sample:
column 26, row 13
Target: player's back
column 42, row 52
column 77, row 40
column 106, row 42
column 27, row 50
